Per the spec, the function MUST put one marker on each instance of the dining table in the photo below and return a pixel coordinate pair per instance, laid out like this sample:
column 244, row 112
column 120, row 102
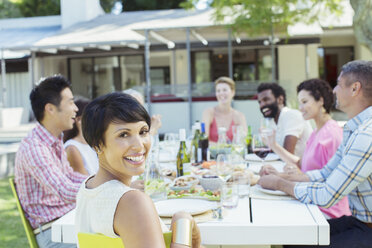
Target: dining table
column 259, row 220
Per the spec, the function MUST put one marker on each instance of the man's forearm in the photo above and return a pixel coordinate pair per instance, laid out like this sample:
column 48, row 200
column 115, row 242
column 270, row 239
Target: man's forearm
column 295, row 177
column 286, row 186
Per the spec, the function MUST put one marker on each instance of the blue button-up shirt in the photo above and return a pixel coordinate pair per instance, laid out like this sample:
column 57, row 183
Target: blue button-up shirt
column 348, row 172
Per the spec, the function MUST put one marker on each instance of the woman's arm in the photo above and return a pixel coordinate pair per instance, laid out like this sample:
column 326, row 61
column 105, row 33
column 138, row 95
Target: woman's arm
column 76, row 160
column 137, row 222
column 195, row 232
column 285, row 155
column 207, row 119
column 241, row 121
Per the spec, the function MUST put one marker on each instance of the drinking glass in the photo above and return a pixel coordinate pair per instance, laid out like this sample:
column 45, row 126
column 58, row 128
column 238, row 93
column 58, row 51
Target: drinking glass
column 259, row 148
column 224, row 167
column 238, row 144
column 229, row 195
column 243, row 181
column 267, row 126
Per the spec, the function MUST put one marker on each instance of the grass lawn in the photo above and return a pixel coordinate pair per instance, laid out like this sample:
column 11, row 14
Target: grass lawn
column 12, row 233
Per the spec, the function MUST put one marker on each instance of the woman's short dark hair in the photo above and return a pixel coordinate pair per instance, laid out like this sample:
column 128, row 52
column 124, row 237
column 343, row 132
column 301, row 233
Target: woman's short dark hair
column 275, row 88
column 319, row 88
column 47, row 91
column 113, row 107
column 81, row 102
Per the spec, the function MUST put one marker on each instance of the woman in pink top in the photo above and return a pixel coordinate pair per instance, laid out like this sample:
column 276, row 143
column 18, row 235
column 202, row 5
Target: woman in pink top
column 223, row 115
column 315, row 101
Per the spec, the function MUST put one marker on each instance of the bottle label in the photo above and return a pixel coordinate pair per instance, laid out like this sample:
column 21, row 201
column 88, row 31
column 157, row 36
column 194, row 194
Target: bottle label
column 199, row 158
column 186, row 168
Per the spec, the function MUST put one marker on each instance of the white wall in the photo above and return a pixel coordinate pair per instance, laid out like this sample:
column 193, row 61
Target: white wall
column 292, row 69
column 18, row 92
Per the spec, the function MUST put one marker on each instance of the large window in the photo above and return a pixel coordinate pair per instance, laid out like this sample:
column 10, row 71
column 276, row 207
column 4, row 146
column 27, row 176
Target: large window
column 249, row 65
column 331, row 59
column 132, row 71
column 92, row 77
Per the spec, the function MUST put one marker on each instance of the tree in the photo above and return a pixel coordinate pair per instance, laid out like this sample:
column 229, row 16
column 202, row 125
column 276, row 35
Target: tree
column 362, row 21
column 8, row 9
column 30, row 8
column 268, row 17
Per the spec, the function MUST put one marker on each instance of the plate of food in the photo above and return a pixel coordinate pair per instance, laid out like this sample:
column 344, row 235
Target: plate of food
column 270, row 192
column 194, row 193
column 168, row 208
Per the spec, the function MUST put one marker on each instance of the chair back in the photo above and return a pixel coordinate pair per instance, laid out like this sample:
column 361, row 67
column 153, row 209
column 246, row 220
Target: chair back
column 28, row 229
column 89, row 240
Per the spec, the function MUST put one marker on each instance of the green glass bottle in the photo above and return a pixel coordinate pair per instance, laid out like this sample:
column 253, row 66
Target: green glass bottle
column 195, row 143
column 183, row 160
column 248, row 140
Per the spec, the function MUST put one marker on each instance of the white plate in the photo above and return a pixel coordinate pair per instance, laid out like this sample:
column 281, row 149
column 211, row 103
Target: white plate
column 270, row 157
column 193, row 206
column 271, row 192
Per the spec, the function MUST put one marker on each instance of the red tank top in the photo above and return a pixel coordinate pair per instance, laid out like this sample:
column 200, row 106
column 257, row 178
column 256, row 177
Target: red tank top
column 213, row 131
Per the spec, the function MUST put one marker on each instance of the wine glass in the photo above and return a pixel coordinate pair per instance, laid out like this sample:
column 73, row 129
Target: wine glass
column 224, row 167
column 259, row 147
column 229, row 190
column 267, row 126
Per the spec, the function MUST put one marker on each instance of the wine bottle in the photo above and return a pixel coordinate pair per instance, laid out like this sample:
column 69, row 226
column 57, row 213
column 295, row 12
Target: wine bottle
column 248, row 140
column 203, row 148
column 183, row 160
column 195, row 143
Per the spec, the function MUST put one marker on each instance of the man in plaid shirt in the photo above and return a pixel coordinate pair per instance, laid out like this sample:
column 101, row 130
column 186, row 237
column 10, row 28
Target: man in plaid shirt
column 45, row 182
column 349, row 171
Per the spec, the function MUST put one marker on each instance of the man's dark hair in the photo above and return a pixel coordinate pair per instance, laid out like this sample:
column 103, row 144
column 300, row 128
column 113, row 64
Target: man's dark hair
column 47, row 91
column 275, row 88
column 359, row 71
column 113, row 107
column 80, row 102
column 318, row 88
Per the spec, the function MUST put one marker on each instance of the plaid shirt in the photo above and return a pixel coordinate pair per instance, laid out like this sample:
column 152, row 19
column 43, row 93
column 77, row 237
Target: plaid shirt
column 348, row 172
column 46, row 184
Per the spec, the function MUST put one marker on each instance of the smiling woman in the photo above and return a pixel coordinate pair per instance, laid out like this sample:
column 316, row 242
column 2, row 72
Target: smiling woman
column 117, row 127
column 223, row 115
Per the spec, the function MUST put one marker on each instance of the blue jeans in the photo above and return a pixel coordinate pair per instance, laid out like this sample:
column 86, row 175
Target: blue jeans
column 44, row 240
column 347, row 232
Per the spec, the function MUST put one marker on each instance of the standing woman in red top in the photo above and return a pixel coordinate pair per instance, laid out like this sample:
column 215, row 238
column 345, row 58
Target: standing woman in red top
column 223, row 115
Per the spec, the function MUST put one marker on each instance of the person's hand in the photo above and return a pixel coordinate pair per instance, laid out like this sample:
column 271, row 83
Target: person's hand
column 291, row 169
column 138, row 184
column 269, row 181
column 155, row 124
column 268, row 170
column 196, row 238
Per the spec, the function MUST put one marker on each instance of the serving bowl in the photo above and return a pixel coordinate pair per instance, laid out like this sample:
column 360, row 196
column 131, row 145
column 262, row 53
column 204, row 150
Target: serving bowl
column 210, row 182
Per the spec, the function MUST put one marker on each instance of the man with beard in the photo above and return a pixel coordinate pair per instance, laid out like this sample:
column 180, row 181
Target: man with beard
column 292, row 131
column 349, row 171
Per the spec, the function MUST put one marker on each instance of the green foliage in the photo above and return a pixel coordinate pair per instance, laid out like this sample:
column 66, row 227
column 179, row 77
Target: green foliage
column 257, row 17
column 12, row 233
column 30, row 8
column 362, row 21
column 107, row 5
column 8, row 9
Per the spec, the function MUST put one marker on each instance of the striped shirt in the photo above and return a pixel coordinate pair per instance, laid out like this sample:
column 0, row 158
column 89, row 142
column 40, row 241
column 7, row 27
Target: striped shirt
column 46, row 184
column 348, row 172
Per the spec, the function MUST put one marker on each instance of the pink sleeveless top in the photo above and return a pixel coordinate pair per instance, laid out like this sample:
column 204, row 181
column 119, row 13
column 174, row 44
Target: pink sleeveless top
column 213, row 131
